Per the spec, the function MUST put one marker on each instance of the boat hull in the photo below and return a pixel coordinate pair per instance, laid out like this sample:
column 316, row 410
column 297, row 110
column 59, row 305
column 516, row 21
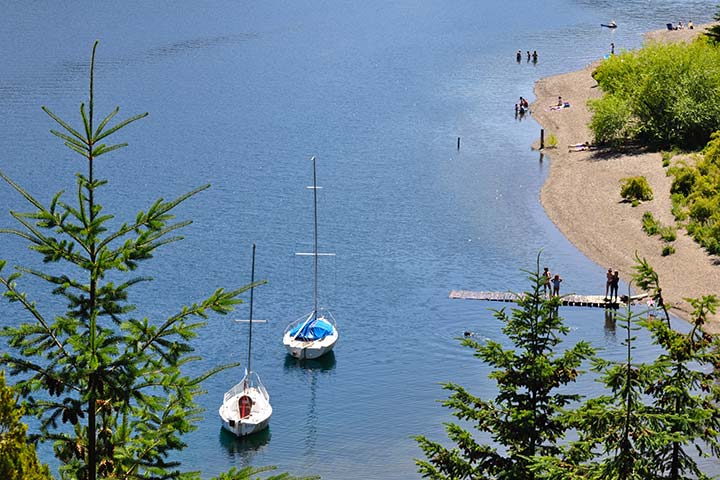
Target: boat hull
column 258, row 418
column 243, row 429
column 310, row 349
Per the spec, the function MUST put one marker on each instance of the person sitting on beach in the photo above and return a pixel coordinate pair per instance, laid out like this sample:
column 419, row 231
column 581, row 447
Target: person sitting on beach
column 560, row 102
column 679, row 25
column 690, row 25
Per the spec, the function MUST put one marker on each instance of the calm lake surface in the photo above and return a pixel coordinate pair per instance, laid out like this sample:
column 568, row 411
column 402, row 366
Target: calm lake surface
column 240, row 95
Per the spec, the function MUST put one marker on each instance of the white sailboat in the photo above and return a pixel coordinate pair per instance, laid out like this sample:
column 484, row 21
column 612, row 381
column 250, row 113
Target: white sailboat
column 315, row 334
column 246, row 407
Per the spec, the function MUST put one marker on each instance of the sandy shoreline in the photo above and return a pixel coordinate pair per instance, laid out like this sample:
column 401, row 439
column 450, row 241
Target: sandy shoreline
column 582, row 195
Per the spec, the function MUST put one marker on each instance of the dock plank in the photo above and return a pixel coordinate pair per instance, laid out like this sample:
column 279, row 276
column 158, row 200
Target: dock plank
column 574, row 300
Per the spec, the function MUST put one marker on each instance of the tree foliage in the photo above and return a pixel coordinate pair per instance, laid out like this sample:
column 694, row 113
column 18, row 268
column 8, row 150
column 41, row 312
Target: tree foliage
column 107, row 384
column 663, row 95
column 657, row 416
column 18, row 460
column 696, row 195
column 635, row 189
column 713, row 33
column 525, row 419
column 652, row 422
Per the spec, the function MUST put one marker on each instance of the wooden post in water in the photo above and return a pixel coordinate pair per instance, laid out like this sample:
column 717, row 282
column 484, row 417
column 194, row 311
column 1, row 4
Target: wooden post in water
column 542, row 138
column 458, row 143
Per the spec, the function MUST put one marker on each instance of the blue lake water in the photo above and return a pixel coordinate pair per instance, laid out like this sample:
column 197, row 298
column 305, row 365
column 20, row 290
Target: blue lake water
column 240, row 95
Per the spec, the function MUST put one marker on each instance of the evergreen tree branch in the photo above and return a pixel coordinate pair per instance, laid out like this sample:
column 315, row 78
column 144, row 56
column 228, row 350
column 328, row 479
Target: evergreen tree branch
column 14, row 295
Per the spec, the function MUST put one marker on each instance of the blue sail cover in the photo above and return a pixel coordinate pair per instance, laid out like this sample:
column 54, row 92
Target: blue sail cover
column 314, row 330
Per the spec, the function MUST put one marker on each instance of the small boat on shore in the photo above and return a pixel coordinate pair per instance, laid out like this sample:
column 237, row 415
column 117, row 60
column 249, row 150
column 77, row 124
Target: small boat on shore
column 246, row 407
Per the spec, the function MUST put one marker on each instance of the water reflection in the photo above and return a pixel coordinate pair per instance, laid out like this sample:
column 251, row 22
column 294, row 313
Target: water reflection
column 312, row 369
column 610, row 322
column 241, row 450
column 323, row 364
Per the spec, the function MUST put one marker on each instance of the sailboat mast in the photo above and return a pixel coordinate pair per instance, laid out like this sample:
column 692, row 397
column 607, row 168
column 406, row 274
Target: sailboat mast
column 316, row 235
column 252, row 280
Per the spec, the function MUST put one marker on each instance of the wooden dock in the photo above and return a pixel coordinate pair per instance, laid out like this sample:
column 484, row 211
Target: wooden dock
column 569, row 300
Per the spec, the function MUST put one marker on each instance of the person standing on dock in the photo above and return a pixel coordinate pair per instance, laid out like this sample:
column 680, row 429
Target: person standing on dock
column 546, row 280
column 556, row 280
column 614, row 286
column 608, row 283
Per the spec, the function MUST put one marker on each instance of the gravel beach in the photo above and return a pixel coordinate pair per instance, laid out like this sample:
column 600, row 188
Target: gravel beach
column 582, row 194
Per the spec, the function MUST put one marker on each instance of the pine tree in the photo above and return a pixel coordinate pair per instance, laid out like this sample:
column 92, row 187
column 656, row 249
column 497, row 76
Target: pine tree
column 615, row 429
column 525, row 419
column 686, row 391
column 115, row 379
column 18, row 460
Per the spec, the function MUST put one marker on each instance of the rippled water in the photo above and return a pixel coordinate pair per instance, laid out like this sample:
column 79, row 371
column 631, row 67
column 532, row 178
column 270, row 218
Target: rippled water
column 241, row 94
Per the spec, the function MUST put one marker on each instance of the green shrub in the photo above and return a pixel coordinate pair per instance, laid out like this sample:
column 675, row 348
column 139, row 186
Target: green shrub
column 702, row 209
column 666, row 157
column 552, row 141
column 668, row 234
column 668, row 250
column 649, row 224
column 685, row 178
column 679, row 212
column 610, row 122
column 635, row 189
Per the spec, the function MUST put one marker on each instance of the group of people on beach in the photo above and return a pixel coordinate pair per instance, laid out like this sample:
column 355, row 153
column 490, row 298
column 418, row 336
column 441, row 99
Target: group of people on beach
column 611, row 285
column 534, row 56
column 551, row 282
column 680, row 26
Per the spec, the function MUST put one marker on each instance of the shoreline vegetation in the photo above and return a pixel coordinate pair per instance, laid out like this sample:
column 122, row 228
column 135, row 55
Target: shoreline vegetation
column 582, row 193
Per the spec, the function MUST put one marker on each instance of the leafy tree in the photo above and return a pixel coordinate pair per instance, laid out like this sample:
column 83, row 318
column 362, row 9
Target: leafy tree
column 115, row 379
column 612, row 121
column 525, row 418
column 662, row 95
column 18, row 460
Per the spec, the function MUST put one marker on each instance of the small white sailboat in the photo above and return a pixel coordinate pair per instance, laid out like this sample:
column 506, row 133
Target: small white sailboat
column 246, row 407
column 313, row 335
